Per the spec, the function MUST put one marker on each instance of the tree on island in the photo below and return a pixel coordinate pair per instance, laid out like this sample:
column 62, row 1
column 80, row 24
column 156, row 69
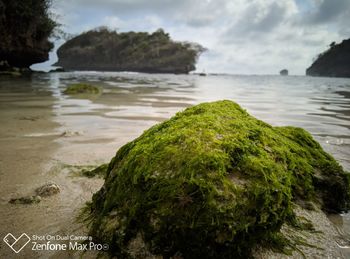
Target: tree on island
column 25, row 29
column 108, row 50
column 334, row 62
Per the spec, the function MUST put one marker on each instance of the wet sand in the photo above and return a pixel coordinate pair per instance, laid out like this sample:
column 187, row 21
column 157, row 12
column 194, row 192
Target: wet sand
column 39, row 142
column 29, row 142
column 43, row 132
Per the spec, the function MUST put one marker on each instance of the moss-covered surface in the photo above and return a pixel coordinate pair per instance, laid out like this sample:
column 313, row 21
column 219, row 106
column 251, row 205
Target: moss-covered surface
column 26, row 200
column 82, row 89
column 212, row 182
column 89, row 171
column 96, row 172
column 10, row 73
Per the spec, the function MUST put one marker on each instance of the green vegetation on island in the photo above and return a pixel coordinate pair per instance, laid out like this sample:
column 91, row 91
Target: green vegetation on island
column 212, row 182
column 334, row 62
column 25, row 28
column 106, row 50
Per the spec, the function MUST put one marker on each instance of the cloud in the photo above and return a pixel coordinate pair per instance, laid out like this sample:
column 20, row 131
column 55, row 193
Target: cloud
column 113, row 22
column 327, row 11
column 331, row 14
column 243, row 36
column 129, row 6
column 203, row 13
column 257, row 20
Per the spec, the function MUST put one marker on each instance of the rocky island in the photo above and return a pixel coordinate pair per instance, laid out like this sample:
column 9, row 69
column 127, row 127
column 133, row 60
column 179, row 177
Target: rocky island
column 213, row 182
column 284, row 72
column 105, row 50
column 335, row 62
column 25, row 27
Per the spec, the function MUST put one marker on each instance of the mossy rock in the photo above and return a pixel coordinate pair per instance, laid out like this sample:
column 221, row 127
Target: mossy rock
column 97, row 172
column 10, row 73
column 211, row 182
column 82, row 89
column 26, row 200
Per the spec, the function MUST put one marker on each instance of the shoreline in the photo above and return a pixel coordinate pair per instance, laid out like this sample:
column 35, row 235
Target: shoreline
column 29, row 139
column 43, row 131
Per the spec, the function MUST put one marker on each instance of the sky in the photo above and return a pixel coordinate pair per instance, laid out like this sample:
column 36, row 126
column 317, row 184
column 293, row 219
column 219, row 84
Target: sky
column 242, row 36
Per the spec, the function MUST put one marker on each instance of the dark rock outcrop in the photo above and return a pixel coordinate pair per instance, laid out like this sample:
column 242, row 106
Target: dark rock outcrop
column 335, row 62
column 48, row 189
column 105, row 50
column 26, row 200
column 284, row 72
column 25, row 26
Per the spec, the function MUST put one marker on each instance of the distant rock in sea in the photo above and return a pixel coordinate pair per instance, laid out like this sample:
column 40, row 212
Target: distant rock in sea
column 335, row 62
column 105, row 50
column 284, row 72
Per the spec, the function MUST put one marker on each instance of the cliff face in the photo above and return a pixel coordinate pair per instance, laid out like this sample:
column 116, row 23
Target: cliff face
column 106, row 50
column 25, row 27
column 335, row 62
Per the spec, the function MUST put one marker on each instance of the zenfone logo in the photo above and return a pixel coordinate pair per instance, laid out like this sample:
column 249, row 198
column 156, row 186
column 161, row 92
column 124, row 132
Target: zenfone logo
column 17, row 244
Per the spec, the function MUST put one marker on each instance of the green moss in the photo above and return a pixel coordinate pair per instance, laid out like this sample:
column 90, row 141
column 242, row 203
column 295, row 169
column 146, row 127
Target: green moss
column 212, row 182
column 10, row 73
column 82, row 88
column 88, row 171
column 26, row 200
column 97, row 172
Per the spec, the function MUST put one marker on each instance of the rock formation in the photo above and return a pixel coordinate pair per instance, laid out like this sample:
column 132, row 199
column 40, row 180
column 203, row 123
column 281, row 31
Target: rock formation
column 284, row 72
column 106, row 50
column 212, row 182
column 26, row 200
column 25, row 27
column 46, row 190
column 335, row 62
column 82, row 88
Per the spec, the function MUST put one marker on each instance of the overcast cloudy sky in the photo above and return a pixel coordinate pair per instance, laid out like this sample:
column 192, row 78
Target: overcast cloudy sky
column 243, row 36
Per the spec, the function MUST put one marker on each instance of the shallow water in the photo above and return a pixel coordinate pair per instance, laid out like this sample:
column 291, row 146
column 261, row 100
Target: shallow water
column 42, row 130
